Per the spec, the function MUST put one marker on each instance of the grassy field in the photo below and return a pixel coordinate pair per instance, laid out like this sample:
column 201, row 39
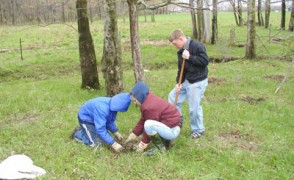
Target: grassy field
column 249, row 128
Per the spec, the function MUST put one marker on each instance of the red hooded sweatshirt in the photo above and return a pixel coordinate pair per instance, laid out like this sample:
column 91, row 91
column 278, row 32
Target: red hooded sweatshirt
column 156, row 108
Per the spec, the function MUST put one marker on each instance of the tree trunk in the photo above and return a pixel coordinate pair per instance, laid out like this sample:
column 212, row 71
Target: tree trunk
column 111, row 59
column 214, row 22
column 259, row 15
column 206, row 17
column 193, row 18
column 240, row 9
column 135, row 40
column 13, row 12
column 200, row 19
column 153, row 16
column 145, row 15
column 250, row 46
column 283, row 16
column 267, row 13
column 1, row 16
column 63, row 13
column 91, row 14
column 86, row 48
column 235, row 12
column 291, row 23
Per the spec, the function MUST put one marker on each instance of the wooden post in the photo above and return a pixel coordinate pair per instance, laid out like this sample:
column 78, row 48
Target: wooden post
column 270, row 33
column 20, row 49
column 232, row 37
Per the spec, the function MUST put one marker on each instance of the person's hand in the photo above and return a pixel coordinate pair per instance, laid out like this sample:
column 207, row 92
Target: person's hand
column 178, row 88
column 186, row 54
column 141, row 146
column 118, row 136
column 117, row 147
column 132, row 137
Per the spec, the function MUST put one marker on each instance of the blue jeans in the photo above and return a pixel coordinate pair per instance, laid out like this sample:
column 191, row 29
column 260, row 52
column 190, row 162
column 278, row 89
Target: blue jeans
column 193, row 93
column 87, row 134
column 153, row 127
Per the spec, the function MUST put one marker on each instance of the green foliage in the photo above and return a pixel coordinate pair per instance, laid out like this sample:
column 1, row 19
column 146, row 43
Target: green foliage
column 249, row 129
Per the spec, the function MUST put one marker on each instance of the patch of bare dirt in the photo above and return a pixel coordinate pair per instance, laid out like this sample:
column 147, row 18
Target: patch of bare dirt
column 29, row 117
column 19, row 119
column 252, row 100
column 275, row 77
column 232, row 134
column 238, row 140
column 215, row 80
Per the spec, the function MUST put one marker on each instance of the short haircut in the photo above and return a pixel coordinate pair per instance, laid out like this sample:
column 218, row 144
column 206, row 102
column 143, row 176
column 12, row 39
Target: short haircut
column 176, row 34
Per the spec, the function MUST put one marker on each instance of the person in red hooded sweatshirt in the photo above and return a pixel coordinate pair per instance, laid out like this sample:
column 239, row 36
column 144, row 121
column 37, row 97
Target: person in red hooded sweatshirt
column 159, row 122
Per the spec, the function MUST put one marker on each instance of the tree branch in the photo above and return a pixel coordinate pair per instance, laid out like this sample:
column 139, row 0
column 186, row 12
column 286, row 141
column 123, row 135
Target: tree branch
column 285, row 78
column 167, row 2
column 155, row 6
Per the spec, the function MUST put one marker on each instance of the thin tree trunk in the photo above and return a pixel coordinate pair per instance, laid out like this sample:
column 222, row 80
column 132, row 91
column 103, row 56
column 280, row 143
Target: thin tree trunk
column 91, row 13
column 251, row 32
column 153, row 16
column 145, row 15
column 259, row 15
column 86, row 48
column 262, row 20
column 111, row 59
column 135, row 40
column 267, row 13
column 214, row 22
column 206, row 17
column 193, row 18
column 63, row 13
column 291, row 23
column 235, row 12
column 200, row 19
column 240, row 9
column 1, row 14
column 283, row 16
column 13, row 12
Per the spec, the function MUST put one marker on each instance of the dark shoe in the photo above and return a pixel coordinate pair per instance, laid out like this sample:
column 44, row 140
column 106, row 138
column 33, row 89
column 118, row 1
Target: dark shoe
column 159, row 146
column 154, row 151
column 196, row 135
column 167, row 143
column 182, row 121
column 72, row 136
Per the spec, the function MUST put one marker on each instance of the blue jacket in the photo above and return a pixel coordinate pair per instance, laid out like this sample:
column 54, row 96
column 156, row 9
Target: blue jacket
column 102, row 112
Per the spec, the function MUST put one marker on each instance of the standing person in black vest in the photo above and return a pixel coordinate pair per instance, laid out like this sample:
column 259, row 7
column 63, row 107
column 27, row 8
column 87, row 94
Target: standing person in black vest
column 194, row 79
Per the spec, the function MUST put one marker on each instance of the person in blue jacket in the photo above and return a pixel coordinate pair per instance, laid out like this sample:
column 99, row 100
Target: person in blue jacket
column 97, row 119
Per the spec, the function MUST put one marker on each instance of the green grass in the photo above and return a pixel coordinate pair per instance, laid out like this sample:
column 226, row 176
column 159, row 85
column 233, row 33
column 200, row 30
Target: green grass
column 249, row 128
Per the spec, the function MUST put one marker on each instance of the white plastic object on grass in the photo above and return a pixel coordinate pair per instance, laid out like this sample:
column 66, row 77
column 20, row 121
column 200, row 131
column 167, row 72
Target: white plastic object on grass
column 19, row 167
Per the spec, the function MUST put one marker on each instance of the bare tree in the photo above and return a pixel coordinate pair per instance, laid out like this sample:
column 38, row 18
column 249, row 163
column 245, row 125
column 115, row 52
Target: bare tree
column 111, row 59
column 206, row 20
column 214, row 22
column 259, row 14
column 240, row 9
column 134, row 34
column 86, row 48
column 1, row 13
column 200, row 19
column 267, row 13
column 235, row 12
column 193, row 18
column 283, row 15
column 12, row 11
column 251, row 32
column 291, row 23
column 135, row 40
